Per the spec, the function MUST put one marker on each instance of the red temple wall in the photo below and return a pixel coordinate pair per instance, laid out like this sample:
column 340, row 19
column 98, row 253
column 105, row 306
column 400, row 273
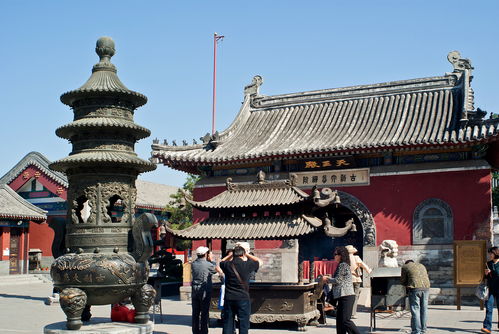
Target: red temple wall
column 41, row 236
column 392, row 200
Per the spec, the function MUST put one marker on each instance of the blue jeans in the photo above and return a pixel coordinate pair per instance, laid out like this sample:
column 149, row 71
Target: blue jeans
column 489, row 309
column 241, row 308
column 418, row 301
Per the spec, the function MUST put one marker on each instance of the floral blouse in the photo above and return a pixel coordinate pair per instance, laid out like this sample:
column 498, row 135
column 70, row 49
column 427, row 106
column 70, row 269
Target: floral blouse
column 342, row 281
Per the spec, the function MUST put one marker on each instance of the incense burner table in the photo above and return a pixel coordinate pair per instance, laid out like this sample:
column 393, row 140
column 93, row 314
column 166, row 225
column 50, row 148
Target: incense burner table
column 275, row 302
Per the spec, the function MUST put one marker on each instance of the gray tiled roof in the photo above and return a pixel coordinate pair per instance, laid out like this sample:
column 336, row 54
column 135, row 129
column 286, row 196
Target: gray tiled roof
column 13, row 206
column 154, row 195
column 39, row 161
column 253, row 195
column 103, row 80
column 418, row 112
column 274, row 227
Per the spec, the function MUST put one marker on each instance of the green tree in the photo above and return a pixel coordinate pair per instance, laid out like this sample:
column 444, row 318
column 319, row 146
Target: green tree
column 181, row 211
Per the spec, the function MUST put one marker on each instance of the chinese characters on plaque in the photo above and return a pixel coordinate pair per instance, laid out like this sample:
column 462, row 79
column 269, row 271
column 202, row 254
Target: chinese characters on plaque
column 337, row 178
column 334, row 163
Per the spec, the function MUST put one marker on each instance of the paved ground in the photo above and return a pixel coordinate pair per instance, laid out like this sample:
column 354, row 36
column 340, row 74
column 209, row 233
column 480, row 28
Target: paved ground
column 22, row 310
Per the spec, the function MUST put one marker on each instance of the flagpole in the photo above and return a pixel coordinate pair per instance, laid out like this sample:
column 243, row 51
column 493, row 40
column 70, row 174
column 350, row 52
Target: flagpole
column 216, row 38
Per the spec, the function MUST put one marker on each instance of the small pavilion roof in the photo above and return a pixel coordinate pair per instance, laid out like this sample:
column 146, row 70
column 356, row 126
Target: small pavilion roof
column 260, row 194
column 13, row 206
column 239, row 228
column 104, row 79
column 102, row 157
column 427, row 112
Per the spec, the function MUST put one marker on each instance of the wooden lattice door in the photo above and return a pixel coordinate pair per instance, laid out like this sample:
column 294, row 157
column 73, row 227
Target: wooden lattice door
column 15, row 245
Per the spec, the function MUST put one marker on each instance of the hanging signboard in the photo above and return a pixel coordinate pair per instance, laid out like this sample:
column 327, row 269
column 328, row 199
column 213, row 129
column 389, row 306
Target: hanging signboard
column 336, row 178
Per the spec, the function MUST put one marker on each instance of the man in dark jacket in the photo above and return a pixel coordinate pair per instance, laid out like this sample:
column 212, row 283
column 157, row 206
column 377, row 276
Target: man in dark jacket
column 237, row 267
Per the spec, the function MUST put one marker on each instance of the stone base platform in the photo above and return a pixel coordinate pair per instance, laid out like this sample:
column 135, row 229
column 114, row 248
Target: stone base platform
column 99, row 326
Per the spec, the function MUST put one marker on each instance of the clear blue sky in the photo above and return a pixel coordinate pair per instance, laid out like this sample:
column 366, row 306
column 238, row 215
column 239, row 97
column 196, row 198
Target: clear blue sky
column 164, row 50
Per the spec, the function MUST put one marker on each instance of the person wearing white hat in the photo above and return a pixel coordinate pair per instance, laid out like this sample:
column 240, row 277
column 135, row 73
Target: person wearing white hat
column 356, row 266
column 202, row 270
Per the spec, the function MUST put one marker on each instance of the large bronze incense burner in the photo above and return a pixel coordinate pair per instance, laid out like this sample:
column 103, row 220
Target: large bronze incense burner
column 276, row 302
column 107, row 246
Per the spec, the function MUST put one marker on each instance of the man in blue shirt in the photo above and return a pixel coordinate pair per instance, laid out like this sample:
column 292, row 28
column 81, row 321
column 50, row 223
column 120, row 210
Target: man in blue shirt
column 202, row 270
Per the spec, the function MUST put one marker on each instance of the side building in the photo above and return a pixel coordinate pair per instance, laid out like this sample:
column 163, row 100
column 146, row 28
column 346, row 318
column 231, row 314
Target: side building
column 412, row 161
column 45, row 189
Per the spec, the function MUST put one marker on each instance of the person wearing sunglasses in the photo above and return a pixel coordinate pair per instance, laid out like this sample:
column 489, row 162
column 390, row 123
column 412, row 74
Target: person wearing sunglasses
column 343, row 292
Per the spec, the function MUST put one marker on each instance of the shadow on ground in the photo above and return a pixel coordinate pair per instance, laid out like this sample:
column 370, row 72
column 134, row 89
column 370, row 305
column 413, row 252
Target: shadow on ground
column 173, row 319
column 4, row 295
column 454, row 330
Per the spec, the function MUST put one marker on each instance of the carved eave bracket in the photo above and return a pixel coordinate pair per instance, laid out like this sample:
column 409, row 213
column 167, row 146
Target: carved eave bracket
column 325, row 197
column 336, row 232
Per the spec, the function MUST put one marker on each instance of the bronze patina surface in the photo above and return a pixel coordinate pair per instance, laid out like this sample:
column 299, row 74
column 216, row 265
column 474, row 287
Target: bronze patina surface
column 107, row 247
column 278, row 302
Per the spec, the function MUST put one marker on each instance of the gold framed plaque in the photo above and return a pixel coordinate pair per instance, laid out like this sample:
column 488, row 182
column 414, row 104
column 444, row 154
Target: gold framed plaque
column 470, row 257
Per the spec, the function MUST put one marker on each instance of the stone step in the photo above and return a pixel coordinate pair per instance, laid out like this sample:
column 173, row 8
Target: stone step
column 19, row 279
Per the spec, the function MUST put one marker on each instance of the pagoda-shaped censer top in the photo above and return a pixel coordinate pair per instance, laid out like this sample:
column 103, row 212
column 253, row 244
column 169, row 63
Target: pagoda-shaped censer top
column 103, row 167
column 107, row 246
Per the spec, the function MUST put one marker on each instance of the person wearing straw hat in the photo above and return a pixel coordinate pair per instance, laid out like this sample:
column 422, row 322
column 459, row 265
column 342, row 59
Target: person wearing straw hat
column 356, row 265
column 202, row 270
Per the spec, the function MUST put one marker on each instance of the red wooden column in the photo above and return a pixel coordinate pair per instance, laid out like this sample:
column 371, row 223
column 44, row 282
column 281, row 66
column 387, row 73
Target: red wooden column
column 25, row 241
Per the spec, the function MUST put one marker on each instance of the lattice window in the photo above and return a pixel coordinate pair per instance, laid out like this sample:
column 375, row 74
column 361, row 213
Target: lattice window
column 432, row 223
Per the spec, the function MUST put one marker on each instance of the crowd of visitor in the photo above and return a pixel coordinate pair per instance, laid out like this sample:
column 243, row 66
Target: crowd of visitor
column 237, row 268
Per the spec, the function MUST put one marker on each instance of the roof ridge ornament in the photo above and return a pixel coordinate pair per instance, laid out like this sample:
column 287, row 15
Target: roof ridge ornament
column 211, row 141
column 260, row 176
column 253, row 89
column 463, row 65
column 460, row 64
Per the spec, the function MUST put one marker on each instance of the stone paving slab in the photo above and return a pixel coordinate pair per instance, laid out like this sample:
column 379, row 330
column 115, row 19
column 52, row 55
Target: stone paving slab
column 101, row 326
column 23, row 311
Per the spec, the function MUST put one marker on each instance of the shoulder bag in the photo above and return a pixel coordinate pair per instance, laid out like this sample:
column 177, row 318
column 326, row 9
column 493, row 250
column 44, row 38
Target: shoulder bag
column 244, row 284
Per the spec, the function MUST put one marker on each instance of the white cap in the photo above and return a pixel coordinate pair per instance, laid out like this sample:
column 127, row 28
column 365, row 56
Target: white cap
column 244, row 245
column 201, row 250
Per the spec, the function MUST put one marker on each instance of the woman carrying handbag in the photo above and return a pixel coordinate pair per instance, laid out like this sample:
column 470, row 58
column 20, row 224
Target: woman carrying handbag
column 492, row 276
column 343, row 292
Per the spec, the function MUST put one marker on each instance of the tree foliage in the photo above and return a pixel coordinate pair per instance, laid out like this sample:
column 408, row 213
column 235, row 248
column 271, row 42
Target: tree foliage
column 180, row 211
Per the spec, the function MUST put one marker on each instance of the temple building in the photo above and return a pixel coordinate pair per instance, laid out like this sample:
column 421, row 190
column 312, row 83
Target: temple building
column 411, row 160
column 16, row 215
column 46, row 190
